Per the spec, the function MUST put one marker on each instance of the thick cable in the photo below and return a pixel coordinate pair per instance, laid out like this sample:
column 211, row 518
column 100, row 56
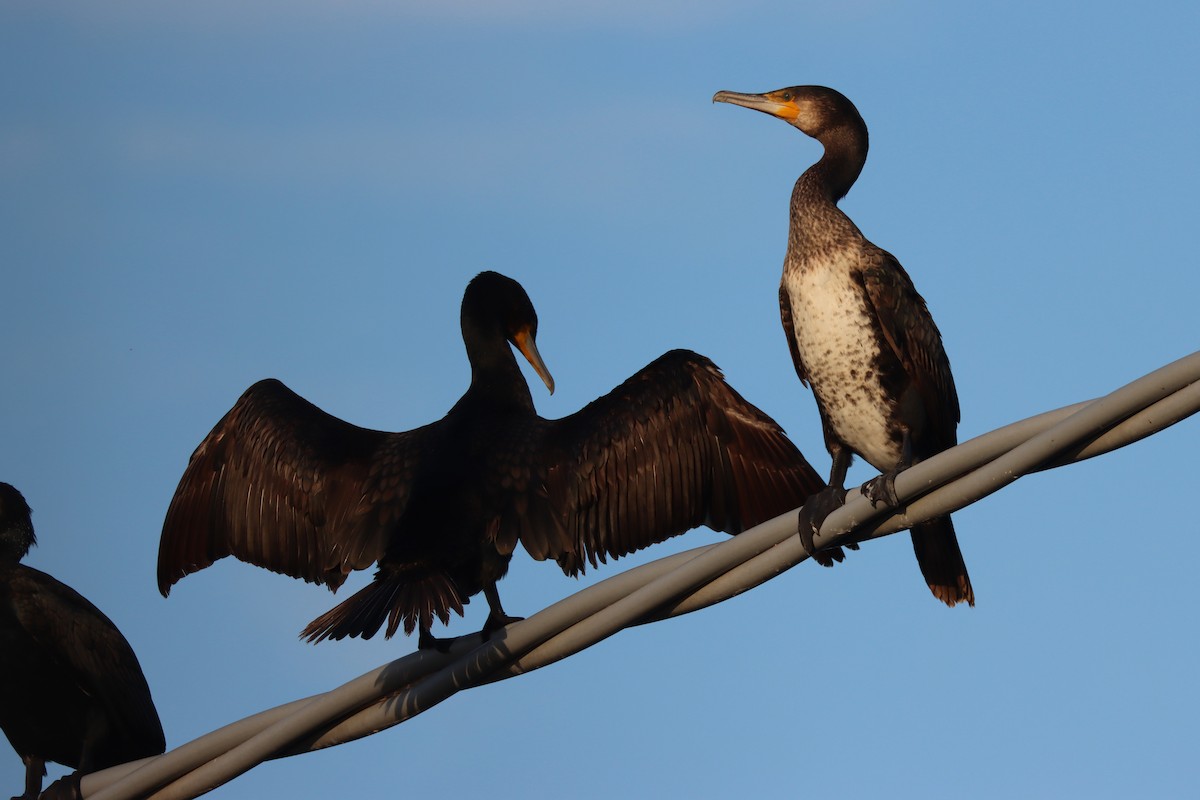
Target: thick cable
column 678, row 584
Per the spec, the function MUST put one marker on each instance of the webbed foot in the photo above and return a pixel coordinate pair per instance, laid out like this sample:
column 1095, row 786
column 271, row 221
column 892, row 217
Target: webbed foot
column 497, row 622
column 882, row 489
column 65, row 788
column 427, row 641
column 812, row 516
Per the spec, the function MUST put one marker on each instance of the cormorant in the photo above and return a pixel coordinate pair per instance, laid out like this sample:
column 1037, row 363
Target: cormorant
column 860, row 334
column 71, row 688
column 284, row 485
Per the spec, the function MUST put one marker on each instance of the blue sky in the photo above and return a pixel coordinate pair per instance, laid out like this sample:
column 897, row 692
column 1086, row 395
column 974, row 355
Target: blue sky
column 193, row 197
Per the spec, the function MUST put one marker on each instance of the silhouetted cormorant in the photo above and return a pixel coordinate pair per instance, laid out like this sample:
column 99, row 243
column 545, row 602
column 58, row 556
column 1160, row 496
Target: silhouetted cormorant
column 71, row 688
column 860, row 334
column 281, row 484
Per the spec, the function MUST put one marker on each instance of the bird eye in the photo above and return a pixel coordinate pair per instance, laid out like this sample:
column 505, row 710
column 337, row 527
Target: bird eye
column 787, row 96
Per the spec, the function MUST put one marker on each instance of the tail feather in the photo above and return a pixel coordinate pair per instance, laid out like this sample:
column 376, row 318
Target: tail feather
column 397, row 597
column 941, row 561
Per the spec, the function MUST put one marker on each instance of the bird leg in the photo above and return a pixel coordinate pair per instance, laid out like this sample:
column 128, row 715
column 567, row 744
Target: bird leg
column 882, row 488
column 35, row 770
column 821, row 505
column 497, row 619
column 427, row 641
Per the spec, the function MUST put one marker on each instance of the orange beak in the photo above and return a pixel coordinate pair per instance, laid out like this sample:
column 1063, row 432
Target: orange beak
column 778, row 104
column 524, row 341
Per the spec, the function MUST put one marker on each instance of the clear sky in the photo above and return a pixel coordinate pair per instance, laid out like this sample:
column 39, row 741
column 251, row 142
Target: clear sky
column 195, row 196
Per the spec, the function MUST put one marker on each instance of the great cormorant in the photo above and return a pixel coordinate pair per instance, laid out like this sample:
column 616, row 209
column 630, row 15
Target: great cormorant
column 71, row 688
column 281, row 484
column 860, row 334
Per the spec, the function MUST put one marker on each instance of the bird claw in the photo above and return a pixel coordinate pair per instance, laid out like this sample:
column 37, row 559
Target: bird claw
column 812, row 516
column 882, row 489
column 427, row 641
column 497, row 622
column 65, row 788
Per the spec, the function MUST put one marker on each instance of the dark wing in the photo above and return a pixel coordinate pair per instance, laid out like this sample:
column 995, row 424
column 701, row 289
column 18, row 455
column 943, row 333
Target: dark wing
column 71, row 631
column 283, row 485
column 914, row 338
column 672, row 448
column 789, row 333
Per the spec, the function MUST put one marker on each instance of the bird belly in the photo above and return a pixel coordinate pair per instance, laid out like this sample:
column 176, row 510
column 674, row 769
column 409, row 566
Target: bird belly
column 835, row 337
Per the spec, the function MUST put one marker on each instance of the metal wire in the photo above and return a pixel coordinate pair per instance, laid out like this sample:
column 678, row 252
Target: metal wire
column 671, row 586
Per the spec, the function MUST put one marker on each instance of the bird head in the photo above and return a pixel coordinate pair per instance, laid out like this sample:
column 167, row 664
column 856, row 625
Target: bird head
column 815, row 110
column 497, row 303
column 16, row 527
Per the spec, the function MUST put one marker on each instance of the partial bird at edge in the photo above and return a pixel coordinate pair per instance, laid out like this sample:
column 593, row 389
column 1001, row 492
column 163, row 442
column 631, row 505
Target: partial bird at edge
column 71, row 688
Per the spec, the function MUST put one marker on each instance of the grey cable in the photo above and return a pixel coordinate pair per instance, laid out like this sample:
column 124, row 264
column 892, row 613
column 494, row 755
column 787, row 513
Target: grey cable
column 675, row 585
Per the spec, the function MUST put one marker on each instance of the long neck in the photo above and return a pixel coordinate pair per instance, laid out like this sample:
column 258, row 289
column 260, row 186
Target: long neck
column 817, row 224
column 845, row 155
column 495, row 376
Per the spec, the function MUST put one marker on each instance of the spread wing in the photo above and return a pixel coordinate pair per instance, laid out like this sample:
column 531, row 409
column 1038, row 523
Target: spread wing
column 71, row 632
column 914, row 338
column 672, row 448
column 281, row 484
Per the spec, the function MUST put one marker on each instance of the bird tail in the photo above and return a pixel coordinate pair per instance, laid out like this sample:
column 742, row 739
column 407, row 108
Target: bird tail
column 941, row 561
column 397, row 597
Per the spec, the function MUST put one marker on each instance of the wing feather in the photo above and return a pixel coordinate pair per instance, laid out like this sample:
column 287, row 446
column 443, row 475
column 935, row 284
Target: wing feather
column 283, row 485
column 915, row 339
column 670, row 449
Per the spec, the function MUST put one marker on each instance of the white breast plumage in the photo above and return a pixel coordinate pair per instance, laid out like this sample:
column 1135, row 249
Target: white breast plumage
column 834, row 335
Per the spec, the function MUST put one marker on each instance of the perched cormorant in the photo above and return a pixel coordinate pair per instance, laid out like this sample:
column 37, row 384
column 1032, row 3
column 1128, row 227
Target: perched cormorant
column 860, row 334
column 71, row 689
column 281, row 484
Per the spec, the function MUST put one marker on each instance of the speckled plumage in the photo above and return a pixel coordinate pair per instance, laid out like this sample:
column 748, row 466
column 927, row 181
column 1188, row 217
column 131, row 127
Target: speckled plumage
column 828, row 315
column 859, row 333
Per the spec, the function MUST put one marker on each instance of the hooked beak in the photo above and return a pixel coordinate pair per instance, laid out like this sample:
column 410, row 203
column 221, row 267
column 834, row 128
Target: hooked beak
column 778, row 104
column 524, row 341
